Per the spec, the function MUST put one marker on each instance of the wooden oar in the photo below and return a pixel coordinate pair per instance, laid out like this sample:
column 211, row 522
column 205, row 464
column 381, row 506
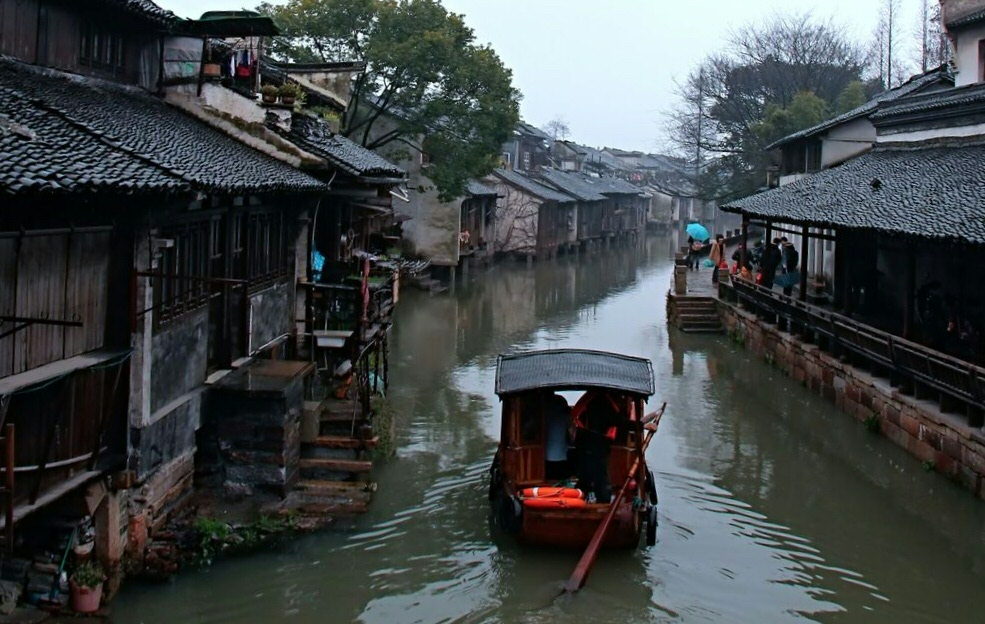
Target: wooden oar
column 579, row 576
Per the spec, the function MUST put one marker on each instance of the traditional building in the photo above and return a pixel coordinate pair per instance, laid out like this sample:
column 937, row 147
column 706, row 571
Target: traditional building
column 136, row 237
column 902, row 223
column 532, row 220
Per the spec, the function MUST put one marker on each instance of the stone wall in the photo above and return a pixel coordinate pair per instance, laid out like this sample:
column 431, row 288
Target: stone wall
column 251, row 433
column 944, row 442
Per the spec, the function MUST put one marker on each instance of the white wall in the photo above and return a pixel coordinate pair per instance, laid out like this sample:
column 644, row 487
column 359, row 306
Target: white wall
column 966, row 57
column 847, row 140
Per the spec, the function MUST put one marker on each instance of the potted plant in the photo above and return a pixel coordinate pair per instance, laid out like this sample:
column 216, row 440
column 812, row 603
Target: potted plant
column 87, row 587
column 268, row 94
column 288, row 92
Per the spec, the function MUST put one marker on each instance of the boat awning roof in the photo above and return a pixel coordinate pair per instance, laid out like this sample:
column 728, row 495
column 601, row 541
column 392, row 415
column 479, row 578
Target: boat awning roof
column 573, row 369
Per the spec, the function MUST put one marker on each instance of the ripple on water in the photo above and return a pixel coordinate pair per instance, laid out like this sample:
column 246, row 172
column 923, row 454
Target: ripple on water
column 737, row 560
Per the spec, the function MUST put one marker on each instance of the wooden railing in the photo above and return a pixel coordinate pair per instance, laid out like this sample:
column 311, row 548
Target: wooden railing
column 909, row 365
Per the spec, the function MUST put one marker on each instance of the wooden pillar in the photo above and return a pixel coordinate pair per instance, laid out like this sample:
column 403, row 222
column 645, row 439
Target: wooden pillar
column 803, row 264
column 745, row 243
column 909, row 291
column 769, row 233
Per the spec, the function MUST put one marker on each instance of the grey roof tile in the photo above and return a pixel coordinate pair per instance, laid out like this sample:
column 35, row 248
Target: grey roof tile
column 143, row 8
column 573, row 368
column 968, row 20
column 41, row 151
column 316, row 136
column 929, row 191
column 536, row 189
column 571, row 183
column 139, row 126
column 969, row 94
column 478, row 189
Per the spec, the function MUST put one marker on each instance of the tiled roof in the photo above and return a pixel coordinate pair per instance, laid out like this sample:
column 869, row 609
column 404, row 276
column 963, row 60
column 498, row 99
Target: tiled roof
column 572, row 184
column 524, row 183
column 911, row 86
column 968, row 20
column 43, row 152
column 573, row 369
column 143, row 8
column 611, row 186
column 477, row 189
column 316, row 136
column 525, row 128
column 145, row 128
column 934, row 191
column 970, row 94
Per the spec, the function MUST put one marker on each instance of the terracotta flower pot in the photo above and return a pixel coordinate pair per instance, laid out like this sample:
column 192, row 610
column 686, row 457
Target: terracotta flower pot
column 269, row 99
column 86, row 599
column 287, row 100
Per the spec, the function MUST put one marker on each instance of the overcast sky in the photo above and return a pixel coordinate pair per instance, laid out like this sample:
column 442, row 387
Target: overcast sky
column 608, row 67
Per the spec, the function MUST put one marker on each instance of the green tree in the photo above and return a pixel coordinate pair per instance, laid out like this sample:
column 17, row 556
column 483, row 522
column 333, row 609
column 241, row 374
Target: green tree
column 805, row 111
column 853, row 96
column 426, row 80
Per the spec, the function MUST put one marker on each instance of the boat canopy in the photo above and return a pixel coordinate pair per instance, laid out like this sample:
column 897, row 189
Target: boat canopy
column 572, row 369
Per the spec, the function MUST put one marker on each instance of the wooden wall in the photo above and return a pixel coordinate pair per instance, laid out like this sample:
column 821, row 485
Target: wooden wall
column 48, row 32
column 53, row 275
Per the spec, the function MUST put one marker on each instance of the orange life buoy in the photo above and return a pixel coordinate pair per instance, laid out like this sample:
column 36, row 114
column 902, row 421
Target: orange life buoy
column 552, row 492
column 553, row 503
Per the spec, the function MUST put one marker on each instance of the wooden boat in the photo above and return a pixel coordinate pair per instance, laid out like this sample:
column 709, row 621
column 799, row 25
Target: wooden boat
column 526, row 384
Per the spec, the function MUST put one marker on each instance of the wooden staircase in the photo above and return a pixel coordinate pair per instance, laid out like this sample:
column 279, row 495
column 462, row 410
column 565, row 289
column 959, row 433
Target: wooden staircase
column 695, row 314
column 336, row 464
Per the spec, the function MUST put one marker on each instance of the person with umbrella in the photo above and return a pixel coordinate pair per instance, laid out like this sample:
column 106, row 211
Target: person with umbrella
column 697, row 235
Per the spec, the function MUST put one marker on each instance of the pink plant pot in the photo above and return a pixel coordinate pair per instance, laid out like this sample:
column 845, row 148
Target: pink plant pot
column 86, row 599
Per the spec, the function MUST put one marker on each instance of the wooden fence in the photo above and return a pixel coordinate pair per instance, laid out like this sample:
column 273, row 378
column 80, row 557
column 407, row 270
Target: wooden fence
column 911, row 366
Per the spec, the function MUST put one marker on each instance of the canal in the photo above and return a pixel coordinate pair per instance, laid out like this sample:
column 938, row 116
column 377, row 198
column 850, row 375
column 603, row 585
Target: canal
column 774, row 507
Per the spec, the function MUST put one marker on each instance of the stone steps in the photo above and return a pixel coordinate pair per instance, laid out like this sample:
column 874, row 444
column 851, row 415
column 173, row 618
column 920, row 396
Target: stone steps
column 342, row 442
column 336, row 465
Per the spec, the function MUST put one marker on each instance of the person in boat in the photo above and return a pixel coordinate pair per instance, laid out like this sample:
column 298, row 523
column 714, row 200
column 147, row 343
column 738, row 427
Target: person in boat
column 557, row 415
column 596, row 417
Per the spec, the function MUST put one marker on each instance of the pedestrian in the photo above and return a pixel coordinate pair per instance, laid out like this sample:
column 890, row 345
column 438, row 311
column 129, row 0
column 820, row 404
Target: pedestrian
column 690, row 253
column 770, row 261
column 695, row 247
column 717, row 255
column 558, row 416
column 756, row 255
column 790, row 261
column 737, row 257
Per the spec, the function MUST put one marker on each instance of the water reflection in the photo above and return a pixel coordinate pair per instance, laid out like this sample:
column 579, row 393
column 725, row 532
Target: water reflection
column 773, row 507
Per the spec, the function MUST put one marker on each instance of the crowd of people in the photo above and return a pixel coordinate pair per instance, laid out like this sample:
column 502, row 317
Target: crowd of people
column 774, row 263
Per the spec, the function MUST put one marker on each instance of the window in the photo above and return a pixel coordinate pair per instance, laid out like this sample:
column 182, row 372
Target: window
column 183, row 268
column 266, row 249
column 813, row 156
column 101, row 48
column 981, row 60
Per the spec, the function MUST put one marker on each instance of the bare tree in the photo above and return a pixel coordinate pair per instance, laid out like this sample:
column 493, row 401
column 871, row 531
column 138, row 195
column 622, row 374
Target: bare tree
column 893, row 68
column 721, row 103
column 935, row 50
column 516, row 222
column 558, row 128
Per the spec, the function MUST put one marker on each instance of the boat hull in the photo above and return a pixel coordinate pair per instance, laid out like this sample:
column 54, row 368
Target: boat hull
column 574, row 528
column 567, row 527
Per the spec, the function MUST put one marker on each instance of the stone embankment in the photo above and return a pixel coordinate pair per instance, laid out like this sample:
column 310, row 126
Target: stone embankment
column 943, row 442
